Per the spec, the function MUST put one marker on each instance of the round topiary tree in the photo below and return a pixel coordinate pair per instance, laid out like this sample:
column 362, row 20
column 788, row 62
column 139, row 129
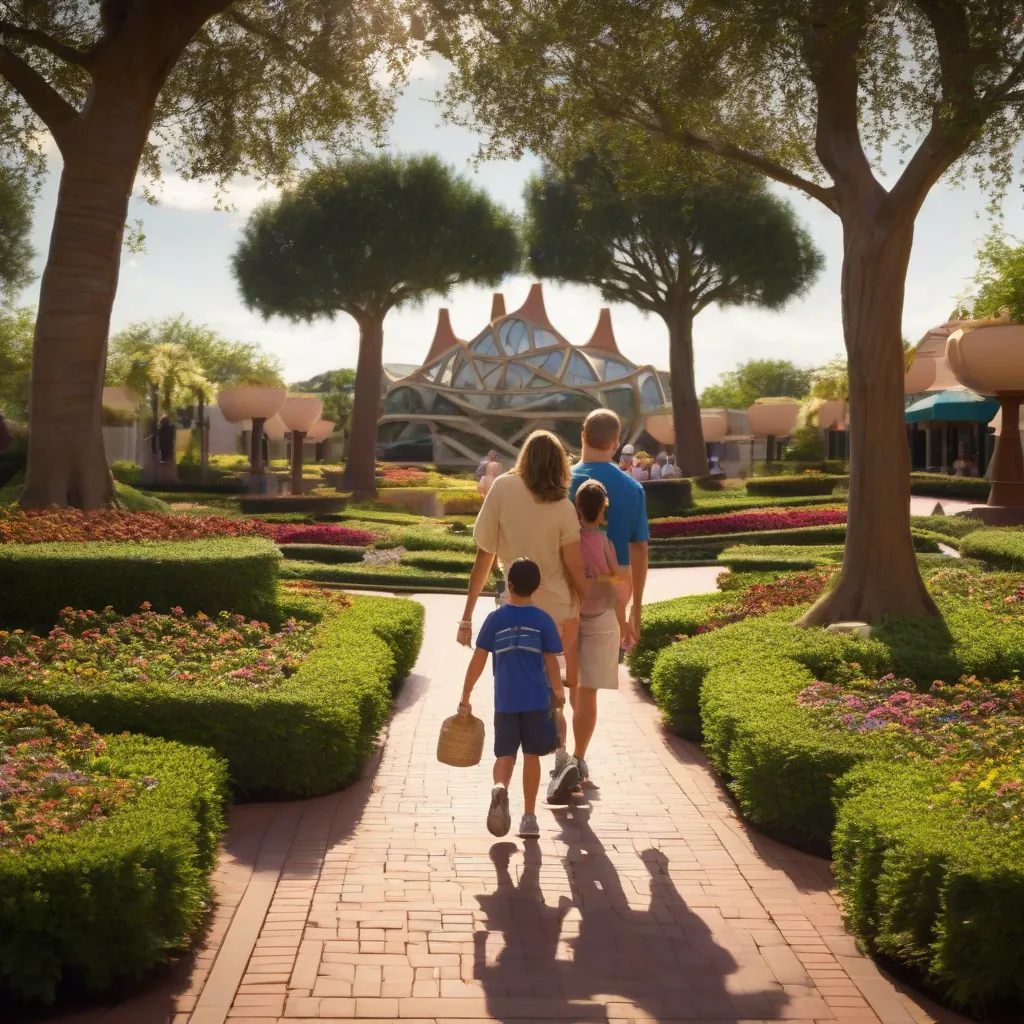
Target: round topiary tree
column 362, row 237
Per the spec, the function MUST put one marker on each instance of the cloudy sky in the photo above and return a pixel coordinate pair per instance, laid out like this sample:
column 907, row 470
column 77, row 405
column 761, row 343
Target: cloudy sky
column 186, row 270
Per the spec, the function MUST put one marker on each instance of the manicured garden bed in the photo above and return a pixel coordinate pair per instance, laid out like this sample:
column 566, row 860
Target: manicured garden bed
column 106, row 848
column 1000, row 548
column 791, row 486
column 849, row 745
column 294, row 711
column 960, row 488
column 755, row 520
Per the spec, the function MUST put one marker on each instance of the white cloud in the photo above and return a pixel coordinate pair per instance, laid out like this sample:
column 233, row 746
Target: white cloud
column 242, row 195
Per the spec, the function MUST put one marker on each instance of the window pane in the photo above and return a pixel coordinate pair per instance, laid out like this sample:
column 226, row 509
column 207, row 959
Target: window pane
column 551, row 362
column 407, row 400
column 613, row 370
column 516, row 377
column 650, row 392
column 515, row 337
column 465, row 378
column 578, row 371
column 621, row 400
column 485, row 345
column 543, row 339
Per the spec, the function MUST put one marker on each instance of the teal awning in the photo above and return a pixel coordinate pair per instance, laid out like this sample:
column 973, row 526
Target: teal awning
column 954, row 406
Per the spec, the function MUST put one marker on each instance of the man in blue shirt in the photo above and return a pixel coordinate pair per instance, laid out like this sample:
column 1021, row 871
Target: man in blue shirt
column 528, row 692
column 628, row 532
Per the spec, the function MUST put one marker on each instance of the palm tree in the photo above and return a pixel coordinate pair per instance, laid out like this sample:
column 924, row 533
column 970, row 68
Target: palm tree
column 171, row 376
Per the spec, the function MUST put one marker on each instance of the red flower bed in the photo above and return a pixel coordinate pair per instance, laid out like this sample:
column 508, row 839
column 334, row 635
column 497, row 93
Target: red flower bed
column 38, row 526
column 762, row 598
column 748, row 522
column 321, row 533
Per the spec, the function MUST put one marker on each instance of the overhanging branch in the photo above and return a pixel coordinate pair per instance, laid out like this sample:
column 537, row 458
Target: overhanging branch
column 35, row 37
column 46, row 103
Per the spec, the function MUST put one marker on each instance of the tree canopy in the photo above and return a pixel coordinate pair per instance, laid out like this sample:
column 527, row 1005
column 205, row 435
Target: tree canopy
column 999, row 280
column 757, row 378
column 700, row 237
column 223, row 362
column 16, row 253
column 174, row 372
column 361, row 237
column 809, row 94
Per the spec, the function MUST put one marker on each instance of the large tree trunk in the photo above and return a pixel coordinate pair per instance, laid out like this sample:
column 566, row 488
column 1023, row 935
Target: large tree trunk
column 361, row 466
column 879, row 575
column 66, row 461
column 691, row 452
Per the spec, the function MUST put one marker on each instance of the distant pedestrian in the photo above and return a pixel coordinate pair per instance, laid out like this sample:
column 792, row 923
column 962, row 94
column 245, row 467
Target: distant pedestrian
column 669, row 471
column 524, row 644
column 489, row 471
column 626, row 458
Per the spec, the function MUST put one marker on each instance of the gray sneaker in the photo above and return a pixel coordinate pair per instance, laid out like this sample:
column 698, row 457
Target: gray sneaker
column 565, row 775
column 499, row 818
column 528, row 827
column 581, row 763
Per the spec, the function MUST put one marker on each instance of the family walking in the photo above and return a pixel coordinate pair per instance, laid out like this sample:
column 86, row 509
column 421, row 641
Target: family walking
column 572, row 544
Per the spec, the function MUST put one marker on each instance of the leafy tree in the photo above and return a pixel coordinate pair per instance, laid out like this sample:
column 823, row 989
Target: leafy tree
column 206, row 88
column 223, row 363
column 801, row 91
column 16, row 327
column 362, row 237
column 675, row 251
column 336, row 388
column 16, row 254
column 173, row 372
column 999, row 281
column 754, row 379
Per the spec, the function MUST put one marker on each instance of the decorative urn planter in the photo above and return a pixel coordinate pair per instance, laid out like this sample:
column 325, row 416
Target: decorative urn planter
column 252, row 403
column 320, row 431
column 274, row 428
column 299, row 414
column 661, row 427
column 989, row 359
column 715, row 425
column 832, row 415
column 772, row 419
column 921, row 375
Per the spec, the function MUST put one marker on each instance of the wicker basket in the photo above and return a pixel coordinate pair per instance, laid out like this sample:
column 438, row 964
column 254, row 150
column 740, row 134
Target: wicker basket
column 461, row 743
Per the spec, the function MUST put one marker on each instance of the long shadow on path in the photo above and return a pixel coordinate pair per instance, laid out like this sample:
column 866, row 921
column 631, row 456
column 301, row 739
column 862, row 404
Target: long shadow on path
column 596, row 955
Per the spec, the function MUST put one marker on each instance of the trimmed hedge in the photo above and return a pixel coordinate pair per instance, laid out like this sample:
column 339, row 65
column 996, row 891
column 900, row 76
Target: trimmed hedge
column 376, row 576
column 103, row 904
column 938, row 485
column 662, row 623
column 439, row 561
column 749, row 557
column 331, row 554
column 940, row 891
column 667, row 497
column 1003, row 549
column 310, row 735
column 790, row 486
column 733, row 500
column 951, row 528
column 229, row 574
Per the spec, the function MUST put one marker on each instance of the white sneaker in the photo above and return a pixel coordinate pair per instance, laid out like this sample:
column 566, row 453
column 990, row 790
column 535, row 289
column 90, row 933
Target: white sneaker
column 565, row 775
column 528, row 827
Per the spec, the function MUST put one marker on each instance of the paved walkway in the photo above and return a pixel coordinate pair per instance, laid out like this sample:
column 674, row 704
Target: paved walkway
column 390, row 901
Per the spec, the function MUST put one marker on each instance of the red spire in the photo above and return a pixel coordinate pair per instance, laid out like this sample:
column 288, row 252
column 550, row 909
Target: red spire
column 497, row 306
column 533, row 308
column 604, row 337
column 444, row 336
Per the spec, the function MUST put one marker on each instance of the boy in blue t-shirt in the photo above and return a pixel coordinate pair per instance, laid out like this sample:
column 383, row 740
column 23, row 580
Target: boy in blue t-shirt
column 527, row 693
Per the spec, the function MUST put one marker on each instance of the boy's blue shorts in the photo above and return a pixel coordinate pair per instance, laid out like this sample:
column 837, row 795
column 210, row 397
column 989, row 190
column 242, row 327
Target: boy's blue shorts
column 534, row 731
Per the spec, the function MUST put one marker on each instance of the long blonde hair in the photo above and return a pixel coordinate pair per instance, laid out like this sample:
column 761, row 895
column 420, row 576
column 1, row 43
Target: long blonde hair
column 544, row 466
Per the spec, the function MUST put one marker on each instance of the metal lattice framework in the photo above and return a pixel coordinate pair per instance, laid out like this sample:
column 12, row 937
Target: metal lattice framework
column 517, row 375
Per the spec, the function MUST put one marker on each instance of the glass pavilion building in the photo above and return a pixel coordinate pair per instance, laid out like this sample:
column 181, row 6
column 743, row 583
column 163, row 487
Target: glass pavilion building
column 517, row 375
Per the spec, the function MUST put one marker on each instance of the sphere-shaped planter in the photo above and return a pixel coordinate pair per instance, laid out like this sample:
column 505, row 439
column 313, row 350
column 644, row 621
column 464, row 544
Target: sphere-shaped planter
column 300, row 412
column 274, row 428
column 715, row 425
column 832, row 416
column 248, row 403
column 989, row 359
column 320, row 431
column 921, row 375
column 661, row 427
column 773, row 419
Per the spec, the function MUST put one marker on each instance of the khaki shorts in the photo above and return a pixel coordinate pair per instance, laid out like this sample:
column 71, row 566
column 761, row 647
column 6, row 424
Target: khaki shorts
column 599, row 651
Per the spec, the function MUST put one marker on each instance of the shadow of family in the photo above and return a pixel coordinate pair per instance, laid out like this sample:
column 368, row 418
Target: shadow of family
column 594, row 955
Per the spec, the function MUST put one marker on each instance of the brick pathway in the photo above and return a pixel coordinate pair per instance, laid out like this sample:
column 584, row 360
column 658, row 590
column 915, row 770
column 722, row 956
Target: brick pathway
column 391, row 901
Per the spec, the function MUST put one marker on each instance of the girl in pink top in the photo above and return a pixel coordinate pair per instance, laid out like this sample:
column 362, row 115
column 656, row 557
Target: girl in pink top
column 604, row 576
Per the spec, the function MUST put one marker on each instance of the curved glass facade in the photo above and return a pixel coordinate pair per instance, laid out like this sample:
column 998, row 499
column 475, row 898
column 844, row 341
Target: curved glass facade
column 515, row 376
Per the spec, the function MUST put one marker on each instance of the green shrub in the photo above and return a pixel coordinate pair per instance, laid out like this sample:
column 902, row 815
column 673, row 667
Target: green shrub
column 38, row 580
column 733, row 499
column 406, row 577
column 806, row 444
column 942, row 890
column 831, row 467
column 952, row 528
column 307, row 736
column 745, row 558
column 102, row 905
column 938, row 485
column 328, row 553
column 790, row 486
column 124, row 471
column 451, row 561
column 662, row 623
column 427, row 538
column 667, row 497
column 1001, row 548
